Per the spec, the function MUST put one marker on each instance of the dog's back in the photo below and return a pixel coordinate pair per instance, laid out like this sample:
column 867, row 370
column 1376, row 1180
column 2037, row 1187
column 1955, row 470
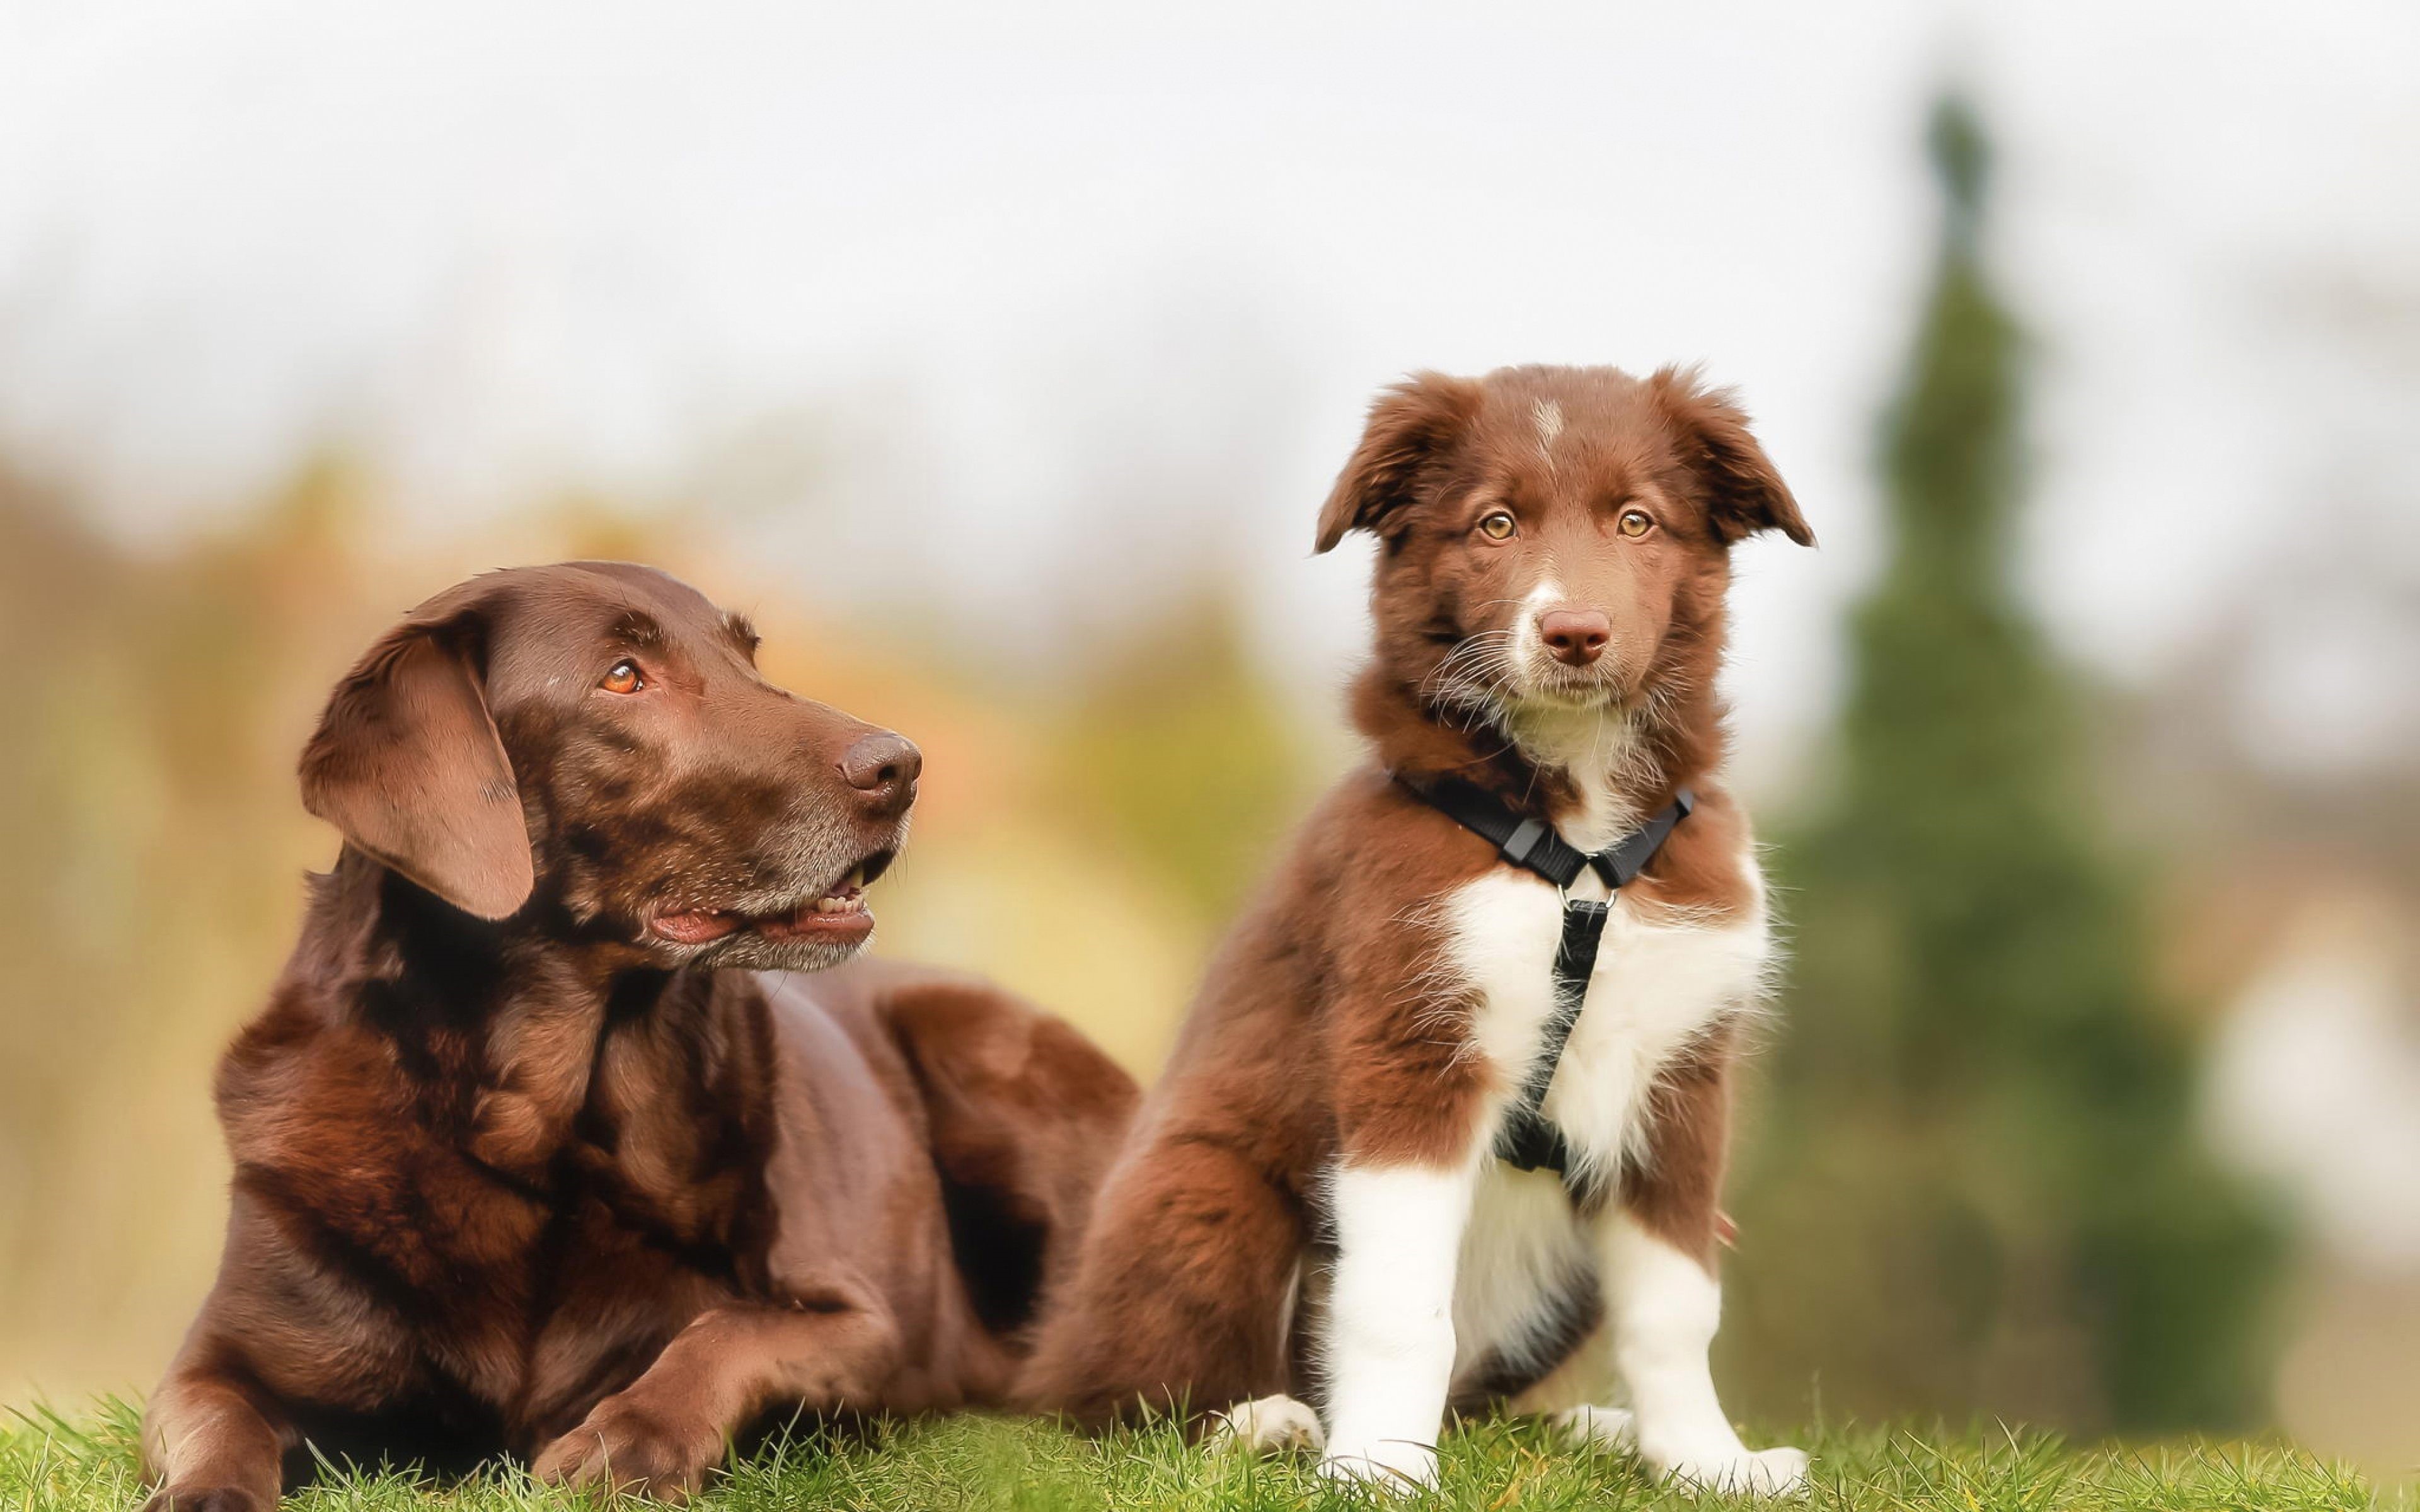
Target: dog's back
column 993, row 1121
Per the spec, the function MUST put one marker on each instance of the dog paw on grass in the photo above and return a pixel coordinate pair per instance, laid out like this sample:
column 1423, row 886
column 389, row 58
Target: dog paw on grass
column 625, row 1445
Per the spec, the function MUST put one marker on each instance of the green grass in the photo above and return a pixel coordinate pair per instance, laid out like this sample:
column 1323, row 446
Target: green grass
column 49, row 1463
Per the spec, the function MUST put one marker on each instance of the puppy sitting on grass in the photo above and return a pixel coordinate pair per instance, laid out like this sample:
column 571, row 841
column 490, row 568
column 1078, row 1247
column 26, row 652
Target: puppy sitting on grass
column 1414, row 1149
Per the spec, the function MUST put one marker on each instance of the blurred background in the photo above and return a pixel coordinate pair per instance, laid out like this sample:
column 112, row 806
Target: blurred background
column 996, row 360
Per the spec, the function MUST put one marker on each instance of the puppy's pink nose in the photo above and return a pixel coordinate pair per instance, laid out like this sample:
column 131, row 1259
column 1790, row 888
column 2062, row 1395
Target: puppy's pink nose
column 884, row 767
column 1574, row 637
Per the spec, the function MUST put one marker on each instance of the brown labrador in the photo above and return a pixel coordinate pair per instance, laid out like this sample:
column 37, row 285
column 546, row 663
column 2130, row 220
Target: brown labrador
column 540, row 1150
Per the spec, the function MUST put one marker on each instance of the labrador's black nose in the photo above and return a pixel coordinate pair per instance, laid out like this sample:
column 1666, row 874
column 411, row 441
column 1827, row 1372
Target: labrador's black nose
column 884, row 767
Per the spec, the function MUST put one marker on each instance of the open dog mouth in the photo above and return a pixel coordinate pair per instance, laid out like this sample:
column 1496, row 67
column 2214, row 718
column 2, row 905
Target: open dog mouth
column 838, row 913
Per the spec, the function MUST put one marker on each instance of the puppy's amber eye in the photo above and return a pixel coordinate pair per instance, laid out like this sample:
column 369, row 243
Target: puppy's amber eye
column 1635, row 522
column 1497, row 525
column 624, row 678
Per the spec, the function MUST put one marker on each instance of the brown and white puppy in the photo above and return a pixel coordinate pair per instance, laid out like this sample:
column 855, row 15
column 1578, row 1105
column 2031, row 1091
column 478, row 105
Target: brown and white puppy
column 1309, row 1205
column 528, row 1160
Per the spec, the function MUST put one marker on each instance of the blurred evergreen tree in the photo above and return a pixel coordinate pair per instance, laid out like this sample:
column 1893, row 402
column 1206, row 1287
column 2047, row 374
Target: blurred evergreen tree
column 1980, row 1190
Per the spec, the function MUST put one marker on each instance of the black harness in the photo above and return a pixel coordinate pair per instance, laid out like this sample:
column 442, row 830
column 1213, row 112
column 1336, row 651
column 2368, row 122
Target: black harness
column 1529, row 1140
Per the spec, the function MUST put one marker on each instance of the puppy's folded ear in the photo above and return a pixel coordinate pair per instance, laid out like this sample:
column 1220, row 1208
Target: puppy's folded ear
column 408, row 763
column 1744, row 492
column 1410, row 423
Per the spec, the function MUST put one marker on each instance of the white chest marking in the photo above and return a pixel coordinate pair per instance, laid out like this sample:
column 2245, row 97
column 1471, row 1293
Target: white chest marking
column 1660, row 983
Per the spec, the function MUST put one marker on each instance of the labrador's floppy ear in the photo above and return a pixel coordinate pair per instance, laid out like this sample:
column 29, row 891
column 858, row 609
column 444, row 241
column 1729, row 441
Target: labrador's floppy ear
column 407, row 763
column 1410, row 423
column 1745, row 492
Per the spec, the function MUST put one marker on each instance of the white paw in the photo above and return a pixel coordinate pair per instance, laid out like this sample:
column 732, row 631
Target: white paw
column 1266, row 1424
column 1389, row 1464
column 1762, row 1473
column 1609, row 1427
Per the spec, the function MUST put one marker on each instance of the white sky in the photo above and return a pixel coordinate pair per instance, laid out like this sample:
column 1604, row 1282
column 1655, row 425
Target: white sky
column 1034, row 309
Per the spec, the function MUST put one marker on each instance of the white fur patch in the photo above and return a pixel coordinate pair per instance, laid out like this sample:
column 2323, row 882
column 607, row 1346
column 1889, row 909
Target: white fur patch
column 1606, row 752
column 1661, row 983
column 1549, row 416
column 1664, row 1309
column 1389, row 1349
column 1528, row 651
column 1267, row 1424
column 1521, row 1249
column 1660, row 986
column 1606, row 1427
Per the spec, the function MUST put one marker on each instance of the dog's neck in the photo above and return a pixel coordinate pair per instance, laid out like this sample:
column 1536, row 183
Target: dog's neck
column 515, row 1011
column 1595, row 772
column 378, row 927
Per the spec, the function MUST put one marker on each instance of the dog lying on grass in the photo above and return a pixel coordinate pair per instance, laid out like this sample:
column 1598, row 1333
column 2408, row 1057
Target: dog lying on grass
column 538, row 1147
column 1313, row 1204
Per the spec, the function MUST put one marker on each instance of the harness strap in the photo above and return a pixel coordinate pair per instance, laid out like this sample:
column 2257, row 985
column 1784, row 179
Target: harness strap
column 1528, row 843
column 1529, row 1140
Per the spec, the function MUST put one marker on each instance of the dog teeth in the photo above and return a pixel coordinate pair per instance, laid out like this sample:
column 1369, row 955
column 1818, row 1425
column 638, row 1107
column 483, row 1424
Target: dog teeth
column 832, row 904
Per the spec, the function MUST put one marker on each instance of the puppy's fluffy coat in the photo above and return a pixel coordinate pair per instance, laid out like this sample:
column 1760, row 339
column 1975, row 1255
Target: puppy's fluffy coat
column 1309, row 1205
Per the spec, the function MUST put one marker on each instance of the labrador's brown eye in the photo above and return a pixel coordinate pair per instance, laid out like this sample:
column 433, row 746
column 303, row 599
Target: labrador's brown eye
column 1635, row 522
column 1497, row 525
column 624, row 678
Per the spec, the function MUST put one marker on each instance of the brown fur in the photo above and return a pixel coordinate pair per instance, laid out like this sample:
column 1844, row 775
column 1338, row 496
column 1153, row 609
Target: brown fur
column 1324, row 1031
column 515, row 1172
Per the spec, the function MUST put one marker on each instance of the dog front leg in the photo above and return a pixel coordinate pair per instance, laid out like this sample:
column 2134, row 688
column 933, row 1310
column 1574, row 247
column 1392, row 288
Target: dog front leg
column 831, row 1348
column 213, row 1444
column 1657, row 1248
column 1666, row 1306
column 1389, row 1348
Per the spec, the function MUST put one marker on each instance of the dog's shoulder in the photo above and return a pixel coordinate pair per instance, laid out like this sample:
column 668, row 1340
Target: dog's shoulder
column 1373, row 867
column 1707, row 868
column 1372, row 847
column 306, row 1076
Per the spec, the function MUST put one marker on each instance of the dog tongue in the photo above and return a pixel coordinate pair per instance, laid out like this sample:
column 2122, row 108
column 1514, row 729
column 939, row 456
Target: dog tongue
column 694, row 929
